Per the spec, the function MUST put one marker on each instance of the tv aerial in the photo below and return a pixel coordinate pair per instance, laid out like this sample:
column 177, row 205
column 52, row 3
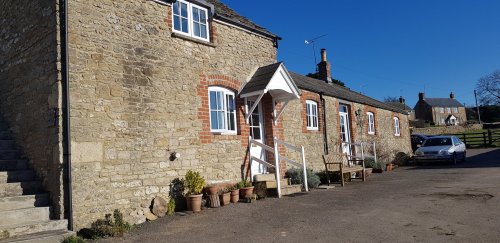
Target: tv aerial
column 311, row 42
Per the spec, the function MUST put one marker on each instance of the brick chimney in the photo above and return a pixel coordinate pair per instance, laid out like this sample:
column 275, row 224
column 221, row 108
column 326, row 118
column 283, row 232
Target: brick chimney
column 324, row 68
column 421, row 96
column 452, row 95
column 401, row 100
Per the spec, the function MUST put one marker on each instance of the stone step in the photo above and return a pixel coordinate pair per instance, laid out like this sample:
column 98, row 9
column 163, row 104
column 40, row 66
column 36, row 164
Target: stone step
column 20, row 188
column 16, row 230
column 7, row 144
column 6, row 165
column 41, row 237
column 291, row 189
column 6, row 154
column 17, row 176
column 24, row 215
column 25, row 201
column 265, row 177
column 5, row 135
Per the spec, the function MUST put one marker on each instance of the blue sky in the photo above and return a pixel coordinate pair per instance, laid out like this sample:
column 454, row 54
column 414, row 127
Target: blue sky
column 390, row 47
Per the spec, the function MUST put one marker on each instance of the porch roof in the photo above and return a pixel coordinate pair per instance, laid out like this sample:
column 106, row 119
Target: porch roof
column 273, row 79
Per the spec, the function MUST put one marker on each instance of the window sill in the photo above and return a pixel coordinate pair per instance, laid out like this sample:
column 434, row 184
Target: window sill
column 312, row 129
column 188, row 38
column 371, row 133
column 224, row 133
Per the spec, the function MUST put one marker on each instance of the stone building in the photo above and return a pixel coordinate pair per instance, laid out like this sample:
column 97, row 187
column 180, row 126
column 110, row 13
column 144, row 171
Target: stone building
column 440, row 111
column 112, row 100
column 401, row 104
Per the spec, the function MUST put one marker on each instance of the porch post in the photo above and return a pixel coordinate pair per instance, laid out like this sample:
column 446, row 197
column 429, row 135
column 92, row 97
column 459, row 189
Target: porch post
column 304, row 168
column 277, row 167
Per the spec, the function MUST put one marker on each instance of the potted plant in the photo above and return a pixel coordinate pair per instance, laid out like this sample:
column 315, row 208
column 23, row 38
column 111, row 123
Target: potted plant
column 246, row 189
column 212, row 189
column 235, row 193
column 377, row 168
column 389, row 167
column 194, row 183
column 224, row 196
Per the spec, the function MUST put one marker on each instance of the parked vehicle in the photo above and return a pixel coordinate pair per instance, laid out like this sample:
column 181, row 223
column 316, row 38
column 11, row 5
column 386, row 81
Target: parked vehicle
column 441, row 148
column 417, row 140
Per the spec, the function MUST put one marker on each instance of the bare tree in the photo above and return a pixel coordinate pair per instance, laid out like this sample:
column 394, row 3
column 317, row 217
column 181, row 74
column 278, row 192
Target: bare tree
column 488, row 89
column 391, row 99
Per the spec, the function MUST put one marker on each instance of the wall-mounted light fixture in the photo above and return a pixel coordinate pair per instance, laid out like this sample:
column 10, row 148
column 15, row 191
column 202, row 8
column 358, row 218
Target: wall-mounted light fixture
column 174, row 156
column 358, row 112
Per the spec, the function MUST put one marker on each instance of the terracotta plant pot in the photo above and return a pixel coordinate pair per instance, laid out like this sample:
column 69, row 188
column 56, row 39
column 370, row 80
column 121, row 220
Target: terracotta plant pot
column 235, row 195
column 225, row 198
column 246, row 192
column 194, row 203
column 368, row 171
column 388, row 167
column 213, row 190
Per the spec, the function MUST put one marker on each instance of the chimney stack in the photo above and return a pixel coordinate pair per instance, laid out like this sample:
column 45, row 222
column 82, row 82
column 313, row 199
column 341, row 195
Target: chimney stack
column 421, row 96
column 452, row 95
column 401, row 100
column 324, row 68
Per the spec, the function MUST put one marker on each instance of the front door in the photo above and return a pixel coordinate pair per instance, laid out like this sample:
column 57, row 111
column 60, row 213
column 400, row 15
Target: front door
column 345, row 133
column 256, row 126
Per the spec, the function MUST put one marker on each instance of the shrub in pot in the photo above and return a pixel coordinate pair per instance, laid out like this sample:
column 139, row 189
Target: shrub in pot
column 194, row 184
column 235, row 193
column 246, row 189
column 224, row 196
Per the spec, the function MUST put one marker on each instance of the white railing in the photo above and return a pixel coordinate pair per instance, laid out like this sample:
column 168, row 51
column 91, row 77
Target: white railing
column 358, row 147
column 277, row 158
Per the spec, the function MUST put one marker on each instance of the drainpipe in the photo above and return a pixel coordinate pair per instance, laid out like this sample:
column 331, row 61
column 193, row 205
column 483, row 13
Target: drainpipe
column 68, row 198
column 325, row 134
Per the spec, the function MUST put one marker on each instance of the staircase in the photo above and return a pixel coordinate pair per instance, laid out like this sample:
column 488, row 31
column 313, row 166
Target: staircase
column 270, row 182
column 24, row 206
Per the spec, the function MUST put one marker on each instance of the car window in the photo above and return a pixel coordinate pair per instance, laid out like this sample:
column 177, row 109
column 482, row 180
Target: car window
column 437, row 142
column 456, row 141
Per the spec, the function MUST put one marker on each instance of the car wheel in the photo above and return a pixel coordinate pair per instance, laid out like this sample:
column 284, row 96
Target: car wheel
column 454, row 159
column 465, row 157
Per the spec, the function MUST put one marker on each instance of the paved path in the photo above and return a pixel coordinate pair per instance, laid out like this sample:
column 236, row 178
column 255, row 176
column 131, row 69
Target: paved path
column 439, row 203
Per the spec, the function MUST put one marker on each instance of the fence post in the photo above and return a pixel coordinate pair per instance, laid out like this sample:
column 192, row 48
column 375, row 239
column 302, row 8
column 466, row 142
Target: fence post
column 484, row 139
column 490, row 139
column 304, row 168
column 277, row 166
column 374, row 151
column 465, row 138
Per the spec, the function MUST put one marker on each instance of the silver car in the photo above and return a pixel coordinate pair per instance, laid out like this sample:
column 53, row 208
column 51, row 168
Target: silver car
column 441, row 148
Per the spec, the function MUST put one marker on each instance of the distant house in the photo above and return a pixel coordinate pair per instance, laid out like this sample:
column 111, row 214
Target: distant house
column 403, row 106
column 440, row 111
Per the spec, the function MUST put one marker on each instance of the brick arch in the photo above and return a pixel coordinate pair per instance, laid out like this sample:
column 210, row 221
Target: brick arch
column 223, row 81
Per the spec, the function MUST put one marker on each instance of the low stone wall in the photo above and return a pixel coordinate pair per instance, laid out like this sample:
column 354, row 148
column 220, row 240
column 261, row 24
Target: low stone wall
column 447, row 130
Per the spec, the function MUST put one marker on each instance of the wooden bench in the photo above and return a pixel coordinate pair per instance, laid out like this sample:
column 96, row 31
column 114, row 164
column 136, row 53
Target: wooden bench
column 343, row 163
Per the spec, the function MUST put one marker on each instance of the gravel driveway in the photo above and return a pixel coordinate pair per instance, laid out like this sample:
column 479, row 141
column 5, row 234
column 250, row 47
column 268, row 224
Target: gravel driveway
column 436, row 203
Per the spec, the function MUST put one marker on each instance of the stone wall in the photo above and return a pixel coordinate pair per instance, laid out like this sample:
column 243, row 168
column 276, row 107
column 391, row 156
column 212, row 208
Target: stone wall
column 30, row 87
column 447, row 130
column 136, row 96
column 387, row 144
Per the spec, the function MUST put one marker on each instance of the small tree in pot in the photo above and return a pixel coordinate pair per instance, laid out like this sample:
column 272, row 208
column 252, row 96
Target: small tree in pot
column 246, row 189
column 224, row 196
column 235, row 193
column 194, row 184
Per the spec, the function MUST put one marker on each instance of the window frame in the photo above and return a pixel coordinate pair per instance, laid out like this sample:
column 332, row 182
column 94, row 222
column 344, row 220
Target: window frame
column 448, row 110
column 397, row 127
column 441, row 110
column 191, row 21
column 225, row 93
column 310, row 118
column 371, row 125
column 455, row 109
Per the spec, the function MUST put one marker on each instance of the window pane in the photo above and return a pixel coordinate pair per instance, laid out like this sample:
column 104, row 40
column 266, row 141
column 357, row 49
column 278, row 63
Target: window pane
column 220, row 119
column 184, row 12
column 176, row 8
column 219, row 101
column 255, row 120
column 213, row 120
column 177, row 23
column 203, row 17
column 315, row 121
column 203, row 31
column 196, row 16
column 212, row 100
column 308, row 110
column 185, row 25
column 196, row 29
column 308, row 121
column 256, row 133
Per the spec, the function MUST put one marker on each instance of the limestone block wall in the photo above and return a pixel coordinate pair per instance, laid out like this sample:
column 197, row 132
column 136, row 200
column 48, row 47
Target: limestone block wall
column 138, row 94
column 30, row 87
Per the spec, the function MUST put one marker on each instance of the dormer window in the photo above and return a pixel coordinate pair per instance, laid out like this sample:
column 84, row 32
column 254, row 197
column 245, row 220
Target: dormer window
column 190, row 19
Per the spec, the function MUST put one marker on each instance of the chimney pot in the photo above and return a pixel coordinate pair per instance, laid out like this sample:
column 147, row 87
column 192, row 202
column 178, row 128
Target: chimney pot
column 452, row 95
column 323, row 54
column 401, row 100
column 421, row 96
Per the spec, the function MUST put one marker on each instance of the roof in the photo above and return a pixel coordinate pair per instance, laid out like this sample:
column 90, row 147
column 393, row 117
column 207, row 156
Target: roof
column 261, row 78
column 399, row 105
column 225, row 13
column 443, row 102
column 334, row 90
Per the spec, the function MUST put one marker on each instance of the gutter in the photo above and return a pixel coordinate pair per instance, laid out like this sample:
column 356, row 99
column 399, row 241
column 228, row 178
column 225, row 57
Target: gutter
column 325, row 133
column 67, row 180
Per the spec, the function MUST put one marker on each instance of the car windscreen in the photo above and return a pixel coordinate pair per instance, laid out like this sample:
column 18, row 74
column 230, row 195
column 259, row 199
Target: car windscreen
column 437, row 142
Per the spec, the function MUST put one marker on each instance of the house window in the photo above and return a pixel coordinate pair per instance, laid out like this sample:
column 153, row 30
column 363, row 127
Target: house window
column 441, row 109
column 443, row 121
column 222, row 110
column 448, row 109
column 190, row 19
column 455, row 109
column 371, row 123
column 397, row 131
column 312, row 115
